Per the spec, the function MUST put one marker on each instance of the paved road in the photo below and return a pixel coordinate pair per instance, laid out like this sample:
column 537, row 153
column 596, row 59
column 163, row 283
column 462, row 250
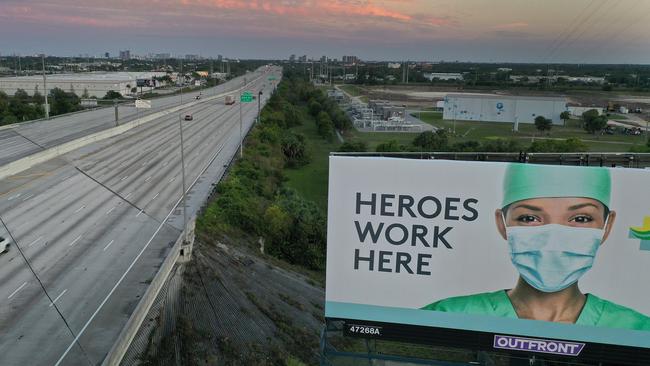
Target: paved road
column 27, row 138
column 96, row 224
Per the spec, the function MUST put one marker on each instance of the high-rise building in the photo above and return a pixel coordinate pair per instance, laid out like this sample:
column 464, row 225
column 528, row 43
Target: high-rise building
column 125, row 55
column 350, row 60
column 303, row 58
column 292, row 58
column 191, row 57
column 107, row 55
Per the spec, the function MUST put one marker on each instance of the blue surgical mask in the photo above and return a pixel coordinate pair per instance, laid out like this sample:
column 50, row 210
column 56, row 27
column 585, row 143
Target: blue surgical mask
column 553, row 257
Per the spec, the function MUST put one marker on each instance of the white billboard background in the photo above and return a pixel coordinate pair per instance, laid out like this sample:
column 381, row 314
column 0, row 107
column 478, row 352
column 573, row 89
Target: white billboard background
column 479, row 261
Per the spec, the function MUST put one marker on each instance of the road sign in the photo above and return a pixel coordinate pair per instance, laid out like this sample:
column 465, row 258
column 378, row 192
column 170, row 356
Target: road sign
column 143, row 104
column 246, row 97
column 271, row 77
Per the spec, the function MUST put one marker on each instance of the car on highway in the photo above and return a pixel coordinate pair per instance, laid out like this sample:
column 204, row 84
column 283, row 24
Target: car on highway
column 188, row 117
column 4, row 245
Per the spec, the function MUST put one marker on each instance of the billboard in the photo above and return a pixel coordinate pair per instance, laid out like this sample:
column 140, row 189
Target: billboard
column 530, row 258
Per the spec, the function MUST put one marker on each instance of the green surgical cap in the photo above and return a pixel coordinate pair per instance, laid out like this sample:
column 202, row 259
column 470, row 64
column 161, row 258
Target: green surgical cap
column 526, row 181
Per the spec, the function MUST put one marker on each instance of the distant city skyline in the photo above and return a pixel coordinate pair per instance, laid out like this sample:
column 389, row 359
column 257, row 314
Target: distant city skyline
column 539, row 31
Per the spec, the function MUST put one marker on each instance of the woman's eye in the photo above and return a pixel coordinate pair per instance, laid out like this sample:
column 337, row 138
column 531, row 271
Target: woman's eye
column 527, row 218
column 582, row 219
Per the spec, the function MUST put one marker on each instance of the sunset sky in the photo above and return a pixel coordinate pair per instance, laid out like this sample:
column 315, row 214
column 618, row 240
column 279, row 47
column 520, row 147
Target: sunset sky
column 580, row 31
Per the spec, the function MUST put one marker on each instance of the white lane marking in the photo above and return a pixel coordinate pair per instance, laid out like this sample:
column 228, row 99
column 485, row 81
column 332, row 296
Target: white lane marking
column 35, row 241
column 14, row 197
column 110, row 293
column 154, row 197
column 80, row 208
column 173, row 179
column 75, row 241
column 28, row 197
column 108, row 245
column 65, row 197
column 139, row 213
column 123, row 178
column 165, row 163
column 58, row 297
column 16, row 290
column 111, row 210
column 128, row 195
column 145, row 163
column 146, row 180
column 66, row 178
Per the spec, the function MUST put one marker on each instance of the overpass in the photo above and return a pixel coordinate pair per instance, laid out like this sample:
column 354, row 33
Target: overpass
column 97, row 218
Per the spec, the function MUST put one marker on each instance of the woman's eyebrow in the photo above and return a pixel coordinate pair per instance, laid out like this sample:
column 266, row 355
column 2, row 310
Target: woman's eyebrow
column 581, row 205
column 530, row 207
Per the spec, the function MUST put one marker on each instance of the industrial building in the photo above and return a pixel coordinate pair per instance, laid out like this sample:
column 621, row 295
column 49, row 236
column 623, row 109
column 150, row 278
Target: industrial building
column 97, row 84
column 499, row 108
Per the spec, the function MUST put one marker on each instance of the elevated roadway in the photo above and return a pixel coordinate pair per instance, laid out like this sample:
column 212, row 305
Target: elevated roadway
column 95, row 224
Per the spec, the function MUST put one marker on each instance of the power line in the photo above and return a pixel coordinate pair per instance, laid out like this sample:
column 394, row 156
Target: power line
column 52, row 303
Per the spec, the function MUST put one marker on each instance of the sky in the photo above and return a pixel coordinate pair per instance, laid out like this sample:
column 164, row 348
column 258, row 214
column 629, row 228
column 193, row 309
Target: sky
column 543, row 31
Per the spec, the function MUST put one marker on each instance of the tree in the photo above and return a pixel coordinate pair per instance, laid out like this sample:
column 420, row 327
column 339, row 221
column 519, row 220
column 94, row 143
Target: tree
column 431, row 141
column 593, row 121
column 543, row 124
column 595, row 125
column 62, row 102
column 566, row 115
column 359, row 146
column 314, row 107
column 38, row 98
column 293, row 148
column 390, row 146
column 112, row 94
column 325, row 125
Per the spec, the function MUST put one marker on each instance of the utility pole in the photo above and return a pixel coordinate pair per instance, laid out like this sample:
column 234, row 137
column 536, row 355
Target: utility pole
column 180, row 125
column 47, row 106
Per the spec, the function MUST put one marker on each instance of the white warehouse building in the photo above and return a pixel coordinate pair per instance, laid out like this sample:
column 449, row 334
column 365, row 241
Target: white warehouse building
column 96, row 83
column 498, row 108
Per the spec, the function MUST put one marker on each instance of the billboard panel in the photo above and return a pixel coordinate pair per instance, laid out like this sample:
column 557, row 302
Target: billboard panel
column 524, row 257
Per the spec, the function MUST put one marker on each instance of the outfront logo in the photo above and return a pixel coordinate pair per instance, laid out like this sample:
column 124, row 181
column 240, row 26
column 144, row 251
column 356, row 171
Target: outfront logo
column 642, row 233
column 538, row 345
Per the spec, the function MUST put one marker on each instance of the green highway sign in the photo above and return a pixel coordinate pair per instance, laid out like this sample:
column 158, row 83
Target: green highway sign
column 246, row 97
column 271, row 77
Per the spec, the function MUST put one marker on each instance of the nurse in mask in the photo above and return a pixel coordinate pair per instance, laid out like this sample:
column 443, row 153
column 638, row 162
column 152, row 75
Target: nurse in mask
column 554, row 220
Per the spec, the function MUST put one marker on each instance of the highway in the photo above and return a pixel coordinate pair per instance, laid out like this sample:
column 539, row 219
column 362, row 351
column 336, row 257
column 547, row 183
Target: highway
column 27, row 138
column 96, row 223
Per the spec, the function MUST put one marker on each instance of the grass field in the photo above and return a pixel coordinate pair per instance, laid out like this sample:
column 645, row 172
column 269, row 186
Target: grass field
column 310, row 180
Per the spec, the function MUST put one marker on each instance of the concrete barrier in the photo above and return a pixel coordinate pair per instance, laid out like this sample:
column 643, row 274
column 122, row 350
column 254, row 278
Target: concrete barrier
column 130, row 329
column 27, row 162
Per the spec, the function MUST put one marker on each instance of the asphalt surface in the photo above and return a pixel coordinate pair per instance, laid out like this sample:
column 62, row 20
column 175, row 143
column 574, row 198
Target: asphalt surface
column 97, row 223
column 27, row 138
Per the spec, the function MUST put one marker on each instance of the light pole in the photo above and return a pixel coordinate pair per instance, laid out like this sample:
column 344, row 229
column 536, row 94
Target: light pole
column 259, row 101
column 180, row 126
column 241, row 138
column 182, row 81
column 47, row 106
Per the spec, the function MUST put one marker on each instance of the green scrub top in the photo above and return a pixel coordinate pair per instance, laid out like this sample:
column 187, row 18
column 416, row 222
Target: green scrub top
column 596, row 312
